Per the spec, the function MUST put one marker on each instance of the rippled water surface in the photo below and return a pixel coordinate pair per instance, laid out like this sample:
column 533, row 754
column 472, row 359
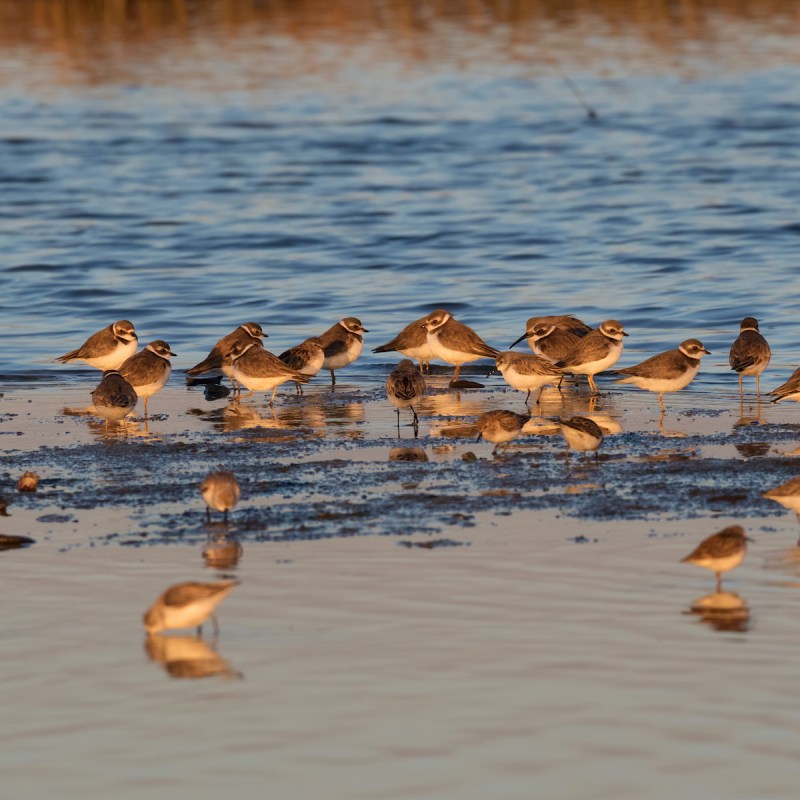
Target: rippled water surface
column 449, row 627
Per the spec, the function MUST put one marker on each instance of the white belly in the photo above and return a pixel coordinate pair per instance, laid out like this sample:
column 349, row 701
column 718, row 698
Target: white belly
column 315, row 365
column 113, row 412
column 448, row 355
column 258, row 383
column 150, row 389
column 422, row 353
column 662, row 385
column 593, row 367
column 721, row 564
column 578, row 440
column 347, row 357
column 114, row 359
column 190, row 615
column 528, row 382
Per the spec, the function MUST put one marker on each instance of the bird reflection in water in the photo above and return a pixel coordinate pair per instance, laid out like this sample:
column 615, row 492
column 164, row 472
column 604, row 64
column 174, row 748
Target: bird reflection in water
column 187, row 657
column 222, row 551
column 410, row 454
column 748, row 418
column 723, row 611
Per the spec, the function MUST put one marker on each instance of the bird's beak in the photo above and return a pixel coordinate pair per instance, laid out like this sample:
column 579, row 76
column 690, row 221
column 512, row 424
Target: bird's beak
column 494, row 371
column 364, row 330
column 172, row 354
column 266, row 336
column 524, row 336
column 749, row 539
column 625, row 334
column 480, row 436
column 707, row 352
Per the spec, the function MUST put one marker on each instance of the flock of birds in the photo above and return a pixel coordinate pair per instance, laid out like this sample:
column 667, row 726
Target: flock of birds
column 560, row 345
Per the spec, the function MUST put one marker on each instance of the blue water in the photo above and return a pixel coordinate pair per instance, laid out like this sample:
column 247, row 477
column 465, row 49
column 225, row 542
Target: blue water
column 488, row 191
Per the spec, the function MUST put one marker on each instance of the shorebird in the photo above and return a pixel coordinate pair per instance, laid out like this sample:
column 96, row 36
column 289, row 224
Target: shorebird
column 721, row 552
column 148, row 370
column 453, row 342
column 307, row 358
column 114, row 397
column 500, row 427
column 581, row 433
column 750, row 353
column 106, row 349
column 595, row 352
column 342, row 344
column 412, row 341
column 249, row 332
column 527, row 372
column 404, row 388
column 553, row 337
column 666, row 372
column 221, row 492
column 187, row 605
column 259, row 370
column 789, row 390
column 788, row 495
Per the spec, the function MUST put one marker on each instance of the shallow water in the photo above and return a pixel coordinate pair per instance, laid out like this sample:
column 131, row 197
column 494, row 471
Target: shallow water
column 416, row 618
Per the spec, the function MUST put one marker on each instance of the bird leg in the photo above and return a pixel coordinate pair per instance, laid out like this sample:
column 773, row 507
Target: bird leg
column 455, row 374
column 661, row 401
column 145, row 408
column 208, row 513
column 272, row 399
column 416, row 418
column 528, row 397
column 719, row 582
column 741, row 388
column 593, row 385
column 758, row 385
column 333, row 378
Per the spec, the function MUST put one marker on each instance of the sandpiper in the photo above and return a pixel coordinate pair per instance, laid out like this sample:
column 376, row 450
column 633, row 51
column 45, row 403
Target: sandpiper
column 500, row 427
column 581, row 433
column 221, row 492
column 106, row 349
column 527, row 372
column 453, row 342
column 404, row 388
column 553, row 337
column 666, row 372
column 788, row 495
column 114, row 397
column 306, row 357
column 412, row 341
column 721, row 552
column 595, row 352
column 249, row 332
column 148, row 370
column 259, row 370
column 187, row 605
column 750, row 353
column 789, row 390
column 342, row 344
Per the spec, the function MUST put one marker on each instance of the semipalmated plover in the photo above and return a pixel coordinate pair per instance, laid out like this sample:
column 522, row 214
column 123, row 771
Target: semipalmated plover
column 527, row 372
column 750, row 353
column 342, row 344
column 405, row 387
column 582, row 434
column 216, row 359
column 789, row 390
column 306, row 357
column 500, row 427
column 149, row 369
column 412, row 341
column 187, row 605
column 553, row 337
column 666, row 372
column 259, row 370
column 455, row 343
column 595, row 352
column 721, row 552
column 221, row 492
column 114, row 397
column 106, row 349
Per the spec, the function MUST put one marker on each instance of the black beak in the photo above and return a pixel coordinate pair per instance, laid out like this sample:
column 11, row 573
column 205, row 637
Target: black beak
column 707, row 352
column 172, row 354
column 364, row 330
column 524, row 336
column 749, row 539
column 494, row 371
column 624, row 334
column 480, row 436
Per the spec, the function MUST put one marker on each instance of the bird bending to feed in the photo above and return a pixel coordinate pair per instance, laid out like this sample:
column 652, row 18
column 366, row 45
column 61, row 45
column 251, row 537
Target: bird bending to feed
column 187, row 605
column 342, row 344
column 405, row 387
column 453, row 342
column 259, row 370
column 750, row 353
column 581, row 433
column 595, row 352
column 248, row 333
column 148, row 370
column 114, row 397
column 527, row 372
column 553, row 337
column 412, row 341
column 221, row 492
column 789, row 390
column 500, row 427
column 106, row 349
column 721, row 552
column 666, row 372
column 306, row 357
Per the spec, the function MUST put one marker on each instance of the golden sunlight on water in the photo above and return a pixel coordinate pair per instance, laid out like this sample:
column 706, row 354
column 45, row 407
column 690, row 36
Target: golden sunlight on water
column 100, row 42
